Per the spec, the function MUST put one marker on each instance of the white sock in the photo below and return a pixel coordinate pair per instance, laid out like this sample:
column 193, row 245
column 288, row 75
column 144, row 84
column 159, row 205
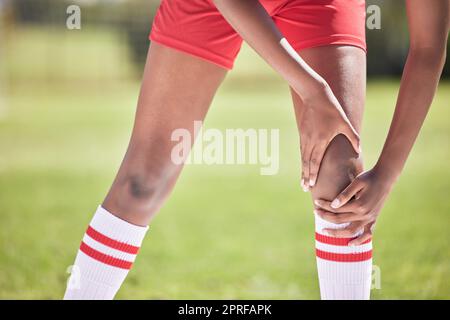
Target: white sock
column 345, row 273
column 106, row 254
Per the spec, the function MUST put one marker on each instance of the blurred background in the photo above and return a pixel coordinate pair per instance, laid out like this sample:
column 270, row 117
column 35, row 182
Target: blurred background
column 67, row 100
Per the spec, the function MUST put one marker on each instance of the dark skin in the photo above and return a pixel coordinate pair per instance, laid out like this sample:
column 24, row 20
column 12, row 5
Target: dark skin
column 170, row 99
column 361, row 201
column 322, row 115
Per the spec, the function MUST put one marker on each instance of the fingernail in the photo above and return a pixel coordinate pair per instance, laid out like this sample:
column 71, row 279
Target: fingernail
column 305, row 188
column 335, row 204
column 312, row 182
column 317, row 202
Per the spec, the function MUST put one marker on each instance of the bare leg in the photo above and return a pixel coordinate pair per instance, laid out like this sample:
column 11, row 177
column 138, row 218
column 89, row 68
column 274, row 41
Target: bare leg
column 177, row 89
column 344, row 68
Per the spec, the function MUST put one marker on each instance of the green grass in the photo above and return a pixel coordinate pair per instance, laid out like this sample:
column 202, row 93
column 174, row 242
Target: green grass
column 226, row 232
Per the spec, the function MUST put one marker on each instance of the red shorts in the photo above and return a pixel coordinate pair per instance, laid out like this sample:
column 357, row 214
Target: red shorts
column 196, row 27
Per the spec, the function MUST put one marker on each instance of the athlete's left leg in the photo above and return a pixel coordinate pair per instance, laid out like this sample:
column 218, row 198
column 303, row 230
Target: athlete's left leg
column 344, row 272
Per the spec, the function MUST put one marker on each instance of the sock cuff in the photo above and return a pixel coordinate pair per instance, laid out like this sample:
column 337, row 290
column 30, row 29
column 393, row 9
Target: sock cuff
column 109, row 225
column 344, row 271
column 337, row 249
column 321, row 224
column 107, row 252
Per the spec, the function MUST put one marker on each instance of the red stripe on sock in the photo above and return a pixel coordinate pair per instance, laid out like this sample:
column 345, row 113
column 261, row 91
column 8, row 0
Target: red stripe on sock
column 97, row 236
column 344, row 257
column 336, row 241
column 104, row 258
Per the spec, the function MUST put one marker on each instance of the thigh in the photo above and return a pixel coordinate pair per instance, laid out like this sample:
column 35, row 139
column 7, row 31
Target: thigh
column 344, row 68
column 176, row 90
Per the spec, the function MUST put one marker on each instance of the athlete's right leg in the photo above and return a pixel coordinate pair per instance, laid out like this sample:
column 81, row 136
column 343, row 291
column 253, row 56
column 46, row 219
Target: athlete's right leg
column 177, row 89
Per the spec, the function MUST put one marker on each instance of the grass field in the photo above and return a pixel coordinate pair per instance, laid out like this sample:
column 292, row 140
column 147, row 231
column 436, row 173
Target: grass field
column 226, row 232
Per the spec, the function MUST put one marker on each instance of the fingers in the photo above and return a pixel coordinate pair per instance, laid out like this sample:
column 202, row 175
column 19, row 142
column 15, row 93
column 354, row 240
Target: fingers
column 314, row 163
column 347, row 194
column 348, row 232
column 339, row 218
column 367, row 234
column 306, row 155
column 353, row 206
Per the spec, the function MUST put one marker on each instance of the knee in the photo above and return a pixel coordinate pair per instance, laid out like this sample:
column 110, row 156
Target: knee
column 142, row 186
column 145, row 178
column 139, row 186
column 136, row 195
column 340, row 165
